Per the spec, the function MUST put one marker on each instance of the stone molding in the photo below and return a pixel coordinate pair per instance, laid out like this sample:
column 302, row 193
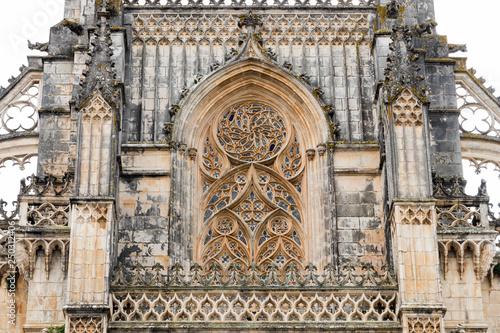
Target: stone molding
column 265, row 306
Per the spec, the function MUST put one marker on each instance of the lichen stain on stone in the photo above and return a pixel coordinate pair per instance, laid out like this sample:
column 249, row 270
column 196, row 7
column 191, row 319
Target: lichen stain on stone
column 129, row 251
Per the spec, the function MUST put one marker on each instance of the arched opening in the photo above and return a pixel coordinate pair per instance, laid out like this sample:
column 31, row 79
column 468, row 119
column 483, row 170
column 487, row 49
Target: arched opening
column 255, row 181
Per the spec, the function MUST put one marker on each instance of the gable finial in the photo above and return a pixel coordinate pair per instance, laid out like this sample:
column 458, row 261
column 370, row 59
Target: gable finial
column 403, row 70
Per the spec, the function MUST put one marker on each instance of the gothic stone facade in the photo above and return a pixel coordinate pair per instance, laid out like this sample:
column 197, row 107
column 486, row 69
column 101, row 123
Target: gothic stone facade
column 214, row 166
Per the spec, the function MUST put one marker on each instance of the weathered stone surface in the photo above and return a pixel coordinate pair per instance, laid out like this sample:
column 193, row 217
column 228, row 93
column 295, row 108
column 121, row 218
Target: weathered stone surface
column 208, row 139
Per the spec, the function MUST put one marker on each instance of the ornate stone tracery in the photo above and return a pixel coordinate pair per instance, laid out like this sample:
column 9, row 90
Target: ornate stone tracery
column 475, row 115
column 421, row 325
column 251, row 132
column 408, row 110
column 251, row 210
column 255, row 306
column 21, row 114
column 415, row 215
column 84, row 324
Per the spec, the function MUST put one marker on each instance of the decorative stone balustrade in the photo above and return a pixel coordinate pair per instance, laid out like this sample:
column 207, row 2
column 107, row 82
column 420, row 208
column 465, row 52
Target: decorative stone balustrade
column 249, row 4
column 458, row 215
column 256, row 294
column 47, row 214
column 272, row 306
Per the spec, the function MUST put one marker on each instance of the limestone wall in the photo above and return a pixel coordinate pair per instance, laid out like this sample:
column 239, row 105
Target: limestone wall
column 21, row 299
column 144, row 207
column 171, row 52
column 491, row 302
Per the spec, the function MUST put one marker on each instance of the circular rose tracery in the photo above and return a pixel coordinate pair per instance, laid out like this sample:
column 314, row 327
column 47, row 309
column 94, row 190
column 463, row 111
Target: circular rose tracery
column 251, row 132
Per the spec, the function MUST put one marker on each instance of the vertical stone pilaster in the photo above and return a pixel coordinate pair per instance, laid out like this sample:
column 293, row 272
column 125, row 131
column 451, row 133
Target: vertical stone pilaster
column 90, row 252
column 417, row 264
column 89, row 270
column 410, row 155
column 96, row 131
column 413, row 211
column 417, row 252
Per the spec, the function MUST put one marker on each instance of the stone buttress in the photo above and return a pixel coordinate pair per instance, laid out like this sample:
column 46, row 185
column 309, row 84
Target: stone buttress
column 210, row 165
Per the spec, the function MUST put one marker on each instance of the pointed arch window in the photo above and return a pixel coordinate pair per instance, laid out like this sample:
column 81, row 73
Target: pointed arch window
column 252, row 169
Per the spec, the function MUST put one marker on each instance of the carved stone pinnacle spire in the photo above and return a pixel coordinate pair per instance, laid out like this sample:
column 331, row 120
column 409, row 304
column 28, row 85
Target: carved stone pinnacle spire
column 100, row 75
column 402, row 69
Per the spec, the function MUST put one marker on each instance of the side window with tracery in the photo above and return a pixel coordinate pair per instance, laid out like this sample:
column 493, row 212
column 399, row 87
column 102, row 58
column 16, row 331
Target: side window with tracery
column 479, row 169
column 12, row 170
column 18, row 118
column 21, row 114
column 252, row 170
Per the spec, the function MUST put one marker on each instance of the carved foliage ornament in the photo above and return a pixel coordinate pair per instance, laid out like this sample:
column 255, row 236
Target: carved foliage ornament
column 9, row 214
column 415, row 215
column 309, row 279
column 48, row 185
column 448, row 187
column 100, row 75
column 402, row 70
column 243, row 3
column 252, row 166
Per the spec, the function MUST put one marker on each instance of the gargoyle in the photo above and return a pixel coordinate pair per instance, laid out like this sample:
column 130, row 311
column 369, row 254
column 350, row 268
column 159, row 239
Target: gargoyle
column 452, row 48
column 43, row 47
column 425, row 28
